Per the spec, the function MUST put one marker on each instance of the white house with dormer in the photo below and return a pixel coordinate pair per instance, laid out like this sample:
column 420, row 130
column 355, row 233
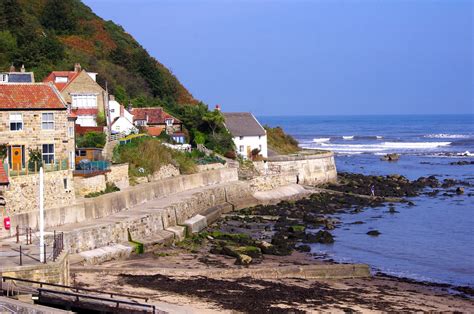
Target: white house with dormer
column 121, row 119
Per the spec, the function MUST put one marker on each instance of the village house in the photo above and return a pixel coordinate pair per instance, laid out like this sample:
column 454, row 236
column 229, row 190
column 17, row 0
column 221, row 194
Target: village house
column 121, row 121
column 80, row 89
column 13, row 76
column 248, row 134
column 35, row 116
column 156, row 120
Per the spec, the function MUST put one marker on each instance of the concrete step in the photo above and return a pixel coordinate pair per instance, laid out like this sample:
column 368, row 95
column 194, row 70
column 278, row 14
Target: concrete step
column 103, row 254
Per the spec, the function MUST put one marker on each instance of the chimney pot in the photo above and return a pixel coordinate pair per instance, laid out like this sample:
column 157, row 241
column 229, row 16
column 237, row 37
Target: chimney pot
column 111, row 97
column 218, row 107
column 77, row 67
column 22, row 68
column 12, row 68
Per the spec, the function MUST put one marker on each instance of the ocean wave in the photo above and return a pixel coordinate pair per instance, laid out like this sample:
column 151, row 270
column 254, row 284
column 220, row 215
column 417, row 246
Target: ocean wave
column 321, row 140
column 348, row 137
column 379, row 137
column 446, row 135
column 379, row 147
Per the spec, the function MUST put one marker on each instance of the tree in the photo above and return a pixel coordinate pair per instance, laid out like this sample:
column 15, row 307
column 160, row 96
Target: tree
column 214, row 119
column 59, row 15
column 91, row 139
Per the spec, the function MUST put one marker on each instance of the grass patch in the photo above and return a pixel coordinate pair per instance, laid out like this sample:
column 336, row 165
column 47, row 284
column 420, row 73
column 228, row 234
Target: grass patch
column 281, row 142
column 110, row 187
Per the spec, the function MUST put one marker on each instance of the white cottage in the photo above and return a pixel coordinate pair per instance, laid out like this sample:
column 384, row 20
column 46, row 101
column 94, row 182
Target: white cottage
column 121, row 119
column 247, row 132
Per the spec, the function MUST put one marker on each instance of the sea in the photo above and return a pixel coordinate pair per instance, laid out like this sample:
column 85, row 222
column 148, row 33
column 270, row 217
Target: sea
column 431, row 241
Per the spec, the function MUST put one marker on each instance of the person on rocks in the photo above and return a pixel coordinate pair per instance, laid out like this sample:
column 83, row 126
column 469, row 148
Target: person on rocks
column 265, row 167
column 372, row 190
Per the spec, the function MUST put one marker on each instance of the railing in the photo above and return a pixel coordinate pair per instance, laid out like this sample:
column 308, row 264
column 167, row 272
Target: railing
column 92, row 168
column 33, row 168
column 58, row 244
column 4, row 289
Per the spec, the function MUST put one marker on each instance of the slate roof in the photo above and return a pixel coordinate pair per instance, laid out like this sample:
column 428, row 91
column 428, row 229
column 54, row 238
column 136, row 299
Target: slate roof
column 156, row 115
column 243, row 124
column 3, row 175
column 51, row 78
column 32, row 96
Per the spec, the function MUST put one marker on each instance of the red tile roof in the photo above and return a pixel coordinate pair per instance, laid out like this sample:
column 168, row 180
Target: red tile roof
column 155, row 115
column 30, row 96
column 155, row 130
column 80, row 130
column 51, row 78
column 3, row 175
column 85, row 112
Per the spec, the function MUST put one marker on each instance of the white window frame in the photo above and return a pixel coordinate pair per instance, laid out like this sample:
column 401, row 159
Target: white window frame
column 16, row 117
column 241, row 148
column 84, row 101
column 47, row 122
column 4, row 78
column 43, row 154
column 70, row 130
column 61, row 79
column 169, row 122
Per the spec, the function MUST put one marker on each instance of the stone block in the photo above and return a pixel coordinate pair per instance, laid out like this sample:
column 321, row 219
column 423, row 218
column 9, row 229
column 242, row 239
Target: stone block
column 195, row 224
column 179, row 232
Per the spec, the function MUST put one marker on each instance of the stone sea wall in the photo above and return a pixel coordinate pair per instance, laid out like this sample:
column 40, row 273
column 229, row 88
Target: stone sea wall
column 305, row 168
column 117, row 175
column 101, row 206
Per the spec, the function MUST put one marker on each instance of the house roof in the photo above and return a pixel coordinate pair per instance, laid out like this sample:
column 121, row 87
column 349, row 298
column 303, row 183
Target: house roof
column 51, row 78
column 85, row 111
column 33, row 96
column 3, row 175
column 156, row 115
column 243, row 124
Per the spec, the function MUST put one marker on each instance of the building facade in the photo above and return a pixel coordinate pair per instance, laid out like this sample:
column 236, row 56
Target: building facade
column 248, row 134
column 35, row 117
column 81, row 91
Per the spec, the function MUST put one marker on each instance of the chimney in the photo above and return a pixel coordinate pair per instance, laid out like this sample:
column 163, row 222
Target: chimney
column 146, row 117
column 12, row 68
column 129, row 109
column 218, row 108
column 77, row 67
column 22, row 70
column 121, row 110
column 111, row 97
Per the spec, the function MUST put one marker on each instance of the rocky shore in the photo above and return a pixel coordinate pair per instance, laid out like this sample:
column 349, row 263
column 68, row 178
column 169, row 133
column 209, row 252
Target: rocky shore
column 278, row 235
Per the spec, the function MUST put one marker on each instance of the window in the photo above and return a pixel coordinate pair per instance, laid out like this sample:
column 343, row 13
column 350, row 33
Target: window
column 47, row 121
column 60, row 79
column 70, row 131
column 260, row 147
column 81, row 153
column 169, row 122
column 241, row 137
column 16, row 122
column 241, row 148
column 4, row 78
column 84, row 101
column 48, row 153
column 140, row 122
column 65, row 183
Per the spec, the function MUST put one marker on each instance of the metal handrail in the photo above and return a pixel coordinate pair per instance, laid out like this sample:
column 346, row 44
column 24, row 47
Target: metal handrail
column 77, row 295
column 41, row 284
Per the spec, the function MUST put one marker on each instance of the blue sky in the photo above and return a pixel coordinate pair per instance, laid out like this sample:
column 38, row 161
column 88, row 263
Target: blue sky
column 293, row 57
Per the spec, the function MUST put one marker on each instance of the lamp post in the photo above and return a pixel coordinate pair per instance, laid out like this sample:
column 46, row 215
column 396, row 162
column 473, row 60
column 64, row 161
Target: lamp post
column 41, row 215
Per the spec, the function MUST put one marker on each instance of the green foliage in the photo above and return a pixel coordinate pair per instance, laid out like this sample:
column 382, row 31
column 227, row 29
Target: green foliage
column 215, row 119
column 199, row 138
column 100, row 119
column 60, row 16
column 281, row 142
column 35, row 160
column 91, row 139
column 7, row 47
column 109, row 188
column 3, row 151
column 147, row 155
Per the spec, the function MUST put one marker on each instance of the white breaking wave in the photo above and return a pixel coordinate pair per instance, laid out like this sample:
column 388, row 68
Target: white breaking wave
column 380, row 147
column 321, row 140
column 445, row 135
column 379, row 137
column 348, row 137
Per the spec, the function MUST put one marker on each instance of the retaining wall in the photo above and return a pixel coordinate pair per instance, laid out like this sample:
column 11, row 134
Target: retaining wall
column 104, row 205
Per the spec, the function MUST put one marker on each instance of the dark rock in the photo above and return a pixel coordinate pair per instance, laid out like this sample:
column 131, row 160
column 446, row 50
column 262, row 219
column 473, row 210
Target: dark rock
column 322, row 236
column 391, row 157
column 460, row 190
column 374, row 233
column 303, row 248
column 462, row 163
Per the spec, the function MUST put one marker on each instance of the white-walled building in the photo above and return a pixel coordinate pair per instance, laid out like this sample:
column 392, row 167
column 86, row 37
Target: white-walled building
column 247, row 132
column 121, row 120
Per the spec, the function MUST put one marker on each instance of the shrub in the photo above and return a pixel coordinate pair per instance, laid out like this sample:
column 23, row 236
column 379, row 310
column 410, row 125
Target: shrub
column 109, row 188
column 231, row 154
column 281, row 142
column 35, row 160
column 91, row 139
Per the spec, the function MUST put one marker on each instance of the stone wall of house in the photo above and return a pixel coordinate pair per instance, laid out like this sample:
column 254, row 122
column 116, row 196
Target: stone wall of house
column 52, row 272
column 311, row 169
column 87, row 185
column 118, row 175
column 83, row 83
column 33, row 136
column 23, row 194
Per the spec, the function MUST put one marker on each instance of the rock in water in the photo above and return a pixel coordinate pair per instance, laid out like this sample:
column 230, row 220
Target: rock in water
column 322, row 236
column 460, row 190
column 374, row 233
column 391, row 157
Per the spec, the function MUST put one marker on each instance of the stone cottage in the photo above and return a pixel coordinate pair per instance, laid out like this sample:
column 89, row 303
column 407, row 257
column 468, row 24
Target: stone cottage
column 35, row 116
column 81, row 90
